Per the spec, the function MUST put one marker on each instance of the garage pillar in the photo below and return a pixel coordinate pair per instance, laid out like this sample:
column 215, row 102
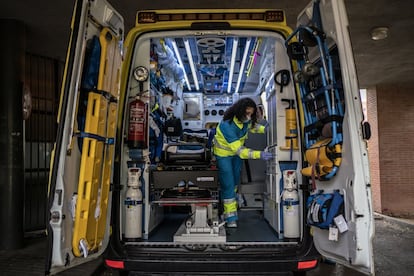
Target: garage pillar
column 12, row 57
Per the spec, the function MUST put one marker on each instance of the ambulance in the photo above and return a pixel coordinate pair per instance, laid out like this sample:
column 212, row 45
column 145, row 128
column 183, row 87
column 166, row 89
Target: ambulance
column 134, row 178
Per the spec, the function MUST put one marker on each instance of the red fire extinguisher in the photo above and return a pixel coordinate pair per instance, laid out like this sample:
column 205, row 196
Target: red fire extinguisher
column 138, row 125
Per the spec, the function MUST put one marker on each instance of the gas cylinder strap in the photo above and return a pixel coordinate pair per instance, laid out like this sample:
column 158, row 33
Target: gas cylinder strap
column 106, row 94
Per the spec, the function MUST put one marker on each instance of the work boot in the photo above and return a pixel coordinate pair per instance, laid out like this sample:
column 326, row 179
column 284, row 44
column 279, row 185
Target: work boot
column 181, row 186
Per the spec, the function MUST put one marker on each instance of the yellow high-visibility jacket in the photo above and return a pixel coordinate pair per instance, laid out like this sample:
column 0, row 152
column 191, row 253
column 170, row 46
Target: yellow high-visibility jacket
column 230, row 137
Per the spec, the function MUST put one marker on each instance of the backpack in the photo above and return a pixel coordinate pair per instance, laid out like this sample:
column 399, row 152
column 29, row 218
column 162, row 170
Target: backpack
column 322, row 208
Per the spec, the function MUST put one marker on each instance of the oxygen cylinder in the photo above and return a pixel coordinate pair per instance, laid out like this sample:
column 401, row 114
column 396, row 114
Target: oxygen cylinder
column 138, row 124
column 290, row 201
column 133, row 205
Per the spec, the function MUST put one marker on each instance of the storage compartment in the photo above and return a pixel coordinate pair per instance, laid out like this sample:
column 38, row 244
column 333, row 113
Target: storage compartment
column 169, row 179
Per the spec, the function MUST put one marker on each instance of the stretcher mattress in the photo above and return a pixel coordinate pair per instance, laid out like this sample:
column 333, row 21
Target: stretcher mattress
column 183, row 153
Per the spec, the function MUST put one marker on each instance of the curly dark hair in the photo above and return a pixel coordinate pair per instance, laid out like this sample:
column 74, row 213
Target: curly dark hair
column 238, row 110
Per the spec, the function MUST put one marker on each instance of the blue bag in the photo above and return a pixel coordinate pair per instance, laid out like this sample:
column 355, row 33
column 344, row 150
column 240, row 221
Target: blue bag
column 323, row 208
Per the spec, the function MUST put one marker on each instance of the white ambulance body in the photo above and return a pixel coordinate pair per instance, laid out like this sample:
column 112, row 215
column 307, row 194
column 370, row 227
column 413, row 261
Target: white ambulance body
column 133, row 174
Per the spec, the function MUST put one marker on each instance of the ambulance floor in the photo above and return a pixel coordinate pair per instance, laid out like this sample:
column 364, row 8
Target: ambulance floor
column 251, row 228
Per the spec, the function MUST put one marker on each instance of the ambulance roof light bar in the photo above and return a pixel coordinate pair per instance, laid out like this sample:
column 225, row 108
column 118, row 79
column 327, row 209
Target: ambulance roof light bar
column 145, row 17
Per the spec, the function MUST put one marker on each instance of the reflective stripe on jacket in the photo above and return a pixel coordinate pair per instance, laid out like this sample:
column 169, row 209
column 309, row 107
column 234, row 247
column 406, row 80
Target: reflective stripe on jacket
column 230, row 137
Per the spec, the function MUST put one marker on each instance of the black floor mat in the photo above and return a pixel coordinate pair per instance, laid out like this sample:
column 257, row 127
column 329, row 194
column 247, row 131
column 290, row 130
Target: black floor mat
column 251, row 228
column 166, row 230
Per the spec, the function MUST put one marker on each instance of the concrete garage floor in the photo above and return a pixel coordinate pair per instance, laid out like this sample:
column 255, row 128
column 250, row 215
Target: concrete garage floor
column 393, row 250
column 393, row 254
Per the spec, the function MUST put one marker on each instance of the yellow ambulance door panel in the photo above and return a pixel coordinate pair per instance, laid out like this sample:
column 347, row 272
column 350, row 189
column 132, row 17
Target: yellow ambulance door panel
column 81, row 168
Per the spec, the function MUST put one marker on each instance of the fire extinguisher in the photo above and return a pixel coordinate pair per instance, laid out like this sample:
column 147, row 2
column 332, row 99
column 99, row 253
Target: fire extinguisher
column 138, row 124
column 133, row 205
column 290, row 200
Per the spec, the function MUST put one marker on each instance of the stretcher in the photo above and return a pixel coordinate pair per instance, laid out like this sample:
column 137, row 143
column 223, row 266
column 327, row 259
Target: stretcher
column 97, row 150
column 185, row 147
column 190, row 154
column 194, row 159
column 202, row 224
column 321, row 98
column 189, row 179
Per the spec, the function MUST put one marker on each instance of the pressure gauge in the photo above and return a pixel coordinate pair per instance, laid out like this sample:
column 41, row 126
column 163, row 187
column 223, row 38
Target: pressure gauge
column 141, row 73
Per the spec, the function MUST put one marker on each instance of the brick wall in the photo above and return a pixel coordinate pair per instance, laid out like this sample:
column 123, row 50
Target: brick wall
column 373, row 153
column 395, row 114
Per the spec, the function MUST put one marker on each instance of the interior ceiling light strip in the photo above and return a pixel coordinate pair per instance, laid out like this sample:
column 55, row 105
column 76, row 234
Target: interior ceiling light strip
column 190, row 60
column 180, row 62
column 269, row 81
column 246, row 51
column 233, row 61
column 254, row 56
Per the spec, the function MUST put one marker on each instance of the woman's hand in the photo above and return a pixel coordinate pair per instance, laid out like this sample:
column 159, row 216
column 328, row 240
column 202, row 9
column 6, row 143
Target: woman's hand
column 265, row 155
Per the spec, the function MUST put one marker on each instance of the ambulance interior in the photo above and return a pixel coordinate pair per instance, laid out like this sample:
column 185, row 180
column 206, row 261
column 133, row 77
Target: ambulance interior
column 192, row 80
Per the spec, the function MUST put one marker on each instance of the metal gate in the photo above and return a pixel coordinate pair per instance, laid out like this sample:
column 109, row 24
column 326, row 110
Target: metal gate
column 43, row 81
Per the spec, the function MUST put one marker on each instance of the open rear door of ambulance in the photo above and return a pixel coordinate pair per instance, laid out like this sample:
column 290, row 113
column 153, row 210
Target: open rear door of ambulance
column 82, row 161
column 334, row 136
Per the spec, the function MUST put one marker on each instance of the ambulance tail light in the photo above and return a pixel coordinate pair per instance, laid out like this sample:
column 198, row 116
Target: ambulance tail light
column 307, row 264
column 115, row 264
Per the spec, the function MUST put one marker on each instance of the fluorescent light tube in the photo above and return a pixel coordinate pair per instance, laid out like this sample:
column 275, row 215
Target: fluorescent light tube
column 190, row 60
column 233, row 60
column 180, row 62
column 246, row 51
